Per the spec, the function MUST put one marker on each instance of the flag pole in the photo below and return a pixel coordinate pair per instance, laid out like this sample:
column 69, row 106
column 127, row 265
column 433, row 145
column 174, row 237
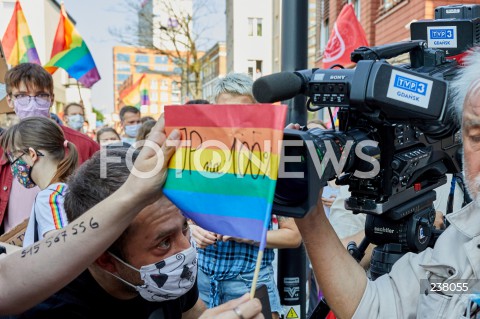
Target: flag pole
column 80, row 93
column 263, row 244
column 255, row 274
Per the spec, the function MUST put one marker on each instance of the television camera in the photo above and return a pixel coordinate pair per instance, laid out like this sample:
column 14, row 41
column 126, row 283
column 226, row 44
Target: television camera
column 398, row 133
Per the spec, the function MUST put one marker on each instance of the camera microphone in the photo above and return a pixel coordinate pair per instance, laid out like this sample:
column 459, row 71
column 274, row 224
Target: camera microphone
column 277, row 87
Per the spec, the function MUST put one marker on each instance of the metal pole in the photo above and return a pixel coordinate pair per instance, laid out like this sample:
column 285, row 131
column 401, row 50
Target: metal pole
column 292, row 262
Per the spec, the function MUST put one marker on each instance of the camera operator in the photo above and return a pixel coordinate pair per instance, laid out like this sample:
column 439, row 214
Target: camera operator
column 400, row 293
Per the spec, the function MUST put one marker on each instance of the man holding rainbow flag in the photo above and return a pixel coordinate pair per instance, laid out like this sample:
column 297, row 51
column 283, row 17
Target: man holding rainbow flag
column 226, row 186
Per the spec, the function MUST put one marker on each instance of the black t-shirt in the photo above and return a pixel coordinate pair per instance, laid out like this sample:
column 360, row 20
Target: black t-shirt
column 84, row 298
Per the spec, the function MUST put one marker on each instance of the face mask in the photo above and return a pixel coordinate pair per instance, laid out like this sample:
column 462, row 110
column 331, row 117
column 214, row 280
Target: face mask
column 23, row 172
column 168, row 279
column 132, row 130
column 76, row 121
column 32, row 109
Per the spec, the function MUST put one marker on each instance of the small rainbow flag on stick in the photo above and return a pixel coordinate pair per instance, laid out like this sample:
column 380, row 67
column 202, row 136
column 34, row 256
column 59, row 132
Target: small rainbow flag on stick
column 137, row 93
column 17, row 41
column 224, row 174
column 71, row 53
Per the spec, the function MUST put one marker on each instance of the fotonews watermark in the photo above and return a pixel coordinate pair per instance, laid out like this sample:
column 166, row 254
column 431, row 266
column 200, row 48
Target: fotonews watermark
column 213, row 158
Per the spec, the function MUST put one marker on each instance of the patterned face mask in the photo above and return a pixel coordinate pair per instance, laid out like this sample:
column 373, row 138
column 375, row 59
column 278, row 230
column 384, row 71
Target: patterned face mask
column 168, row 279
column 22, row 171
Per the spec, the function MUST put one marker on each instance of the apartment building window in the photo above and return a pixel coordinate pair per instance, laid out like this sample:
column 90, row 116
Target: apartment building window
column 122, row 77
column 162, row 59
column 388, row 4
column 259, row 26
column 254, row 68
column 356, row 6
column 141, row 58
column 164, row 96
column 324, row 21
column 255, row 27
column 164, row 85
column 122, row 66
column 123, row 57
column 175, row 97
column 250, row 27
column 325, row 34
column 175, row 86
column 153, row 84
column 140, row 69
column 154, row 108
column 154, row 96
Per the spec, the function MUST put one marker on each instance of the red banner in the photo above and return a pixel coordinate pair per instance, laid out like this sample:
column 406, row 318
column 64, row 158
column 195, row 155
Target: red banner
column 346, row 36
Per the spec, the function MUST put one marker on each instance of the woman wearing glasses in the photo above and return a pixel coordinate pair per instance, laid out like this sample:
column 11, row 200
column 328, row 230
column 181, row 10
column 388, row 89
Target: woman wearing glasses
column 40, row 155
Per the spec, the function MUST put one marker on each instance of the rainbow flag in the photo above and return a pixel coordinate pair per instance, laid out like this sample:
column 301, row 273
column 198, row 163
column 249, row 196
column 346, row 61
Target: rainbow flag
column 17, row 41
column 71, row 53
column 137, row 93
column 144, row 98
column 328, row 123
column 223, row 176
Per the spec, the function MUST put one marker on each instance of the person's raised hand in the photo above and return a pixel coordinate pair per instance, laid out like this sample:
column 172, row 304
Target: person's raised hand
column 239, row 240
column 202, row 237
column 149, row 173
column 241, row 308
column 328, row 202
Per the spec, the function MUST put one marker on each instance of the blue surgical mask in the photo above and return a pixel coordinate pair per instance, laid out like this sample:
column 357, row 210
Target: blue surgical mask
column 76, row 121
column 132, row 130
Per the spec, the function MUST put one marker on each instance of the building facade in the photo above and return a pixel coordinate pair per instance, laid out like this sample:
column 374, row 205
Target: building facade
column 155, row 16
column 384, row 21
column 214, row 65
column 249, row 36
column 162, row 76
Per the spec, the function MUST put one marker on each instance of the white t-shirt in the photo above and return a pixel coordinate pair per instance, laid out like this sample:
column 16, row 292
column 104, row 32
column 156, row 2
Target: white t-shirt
column 48, row 211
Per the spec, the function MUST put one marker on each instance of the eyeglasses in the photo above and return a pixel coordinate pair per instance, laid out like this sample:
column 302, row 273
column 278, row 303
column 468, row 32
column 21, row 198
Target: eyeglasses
column 12, row 159
column 42, row 99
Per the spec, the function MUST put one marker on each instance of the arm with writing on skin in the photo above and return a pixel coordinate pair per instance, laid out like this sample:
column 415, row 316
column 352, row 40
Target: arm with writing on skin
column 53, row 262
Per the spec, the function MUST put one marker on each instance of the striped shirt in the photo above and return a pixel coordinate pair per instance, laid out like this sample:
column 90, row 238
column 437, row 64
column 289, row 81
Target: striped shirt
column 48, row 211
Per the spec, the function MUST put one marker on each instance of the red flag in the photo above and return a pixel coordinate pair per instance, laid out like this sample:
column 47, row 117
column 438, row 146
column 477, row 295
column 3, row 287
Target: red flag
column 346, row 36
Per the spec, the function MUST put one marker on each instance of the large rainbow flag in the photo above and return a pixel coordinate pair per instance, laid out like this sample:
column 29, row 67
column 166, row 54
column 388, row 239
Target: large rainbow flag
column 71, row 53
column 17, row 41
column 223, row 176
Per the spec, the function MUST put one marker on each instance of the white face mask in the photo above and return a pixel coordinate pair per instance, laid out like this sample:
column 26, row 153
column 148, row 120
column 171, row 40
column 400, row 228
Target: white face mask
column 168, row 279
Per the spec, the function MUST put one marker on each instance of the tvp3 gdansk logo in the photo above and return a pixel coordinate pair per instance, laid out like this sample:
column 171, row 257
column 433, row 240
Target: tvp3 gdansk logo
column 442, row 37
column 408, row 88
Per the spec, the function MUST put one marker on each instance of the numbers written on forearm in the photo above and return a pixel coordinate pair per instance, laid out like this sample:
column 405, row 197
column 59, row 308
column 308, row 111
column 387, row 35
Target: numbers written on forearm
column 60, row 236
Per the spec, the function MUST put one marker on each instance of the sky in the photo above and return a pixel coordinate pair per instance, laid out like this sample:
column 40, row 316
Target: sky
column 95, row 18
